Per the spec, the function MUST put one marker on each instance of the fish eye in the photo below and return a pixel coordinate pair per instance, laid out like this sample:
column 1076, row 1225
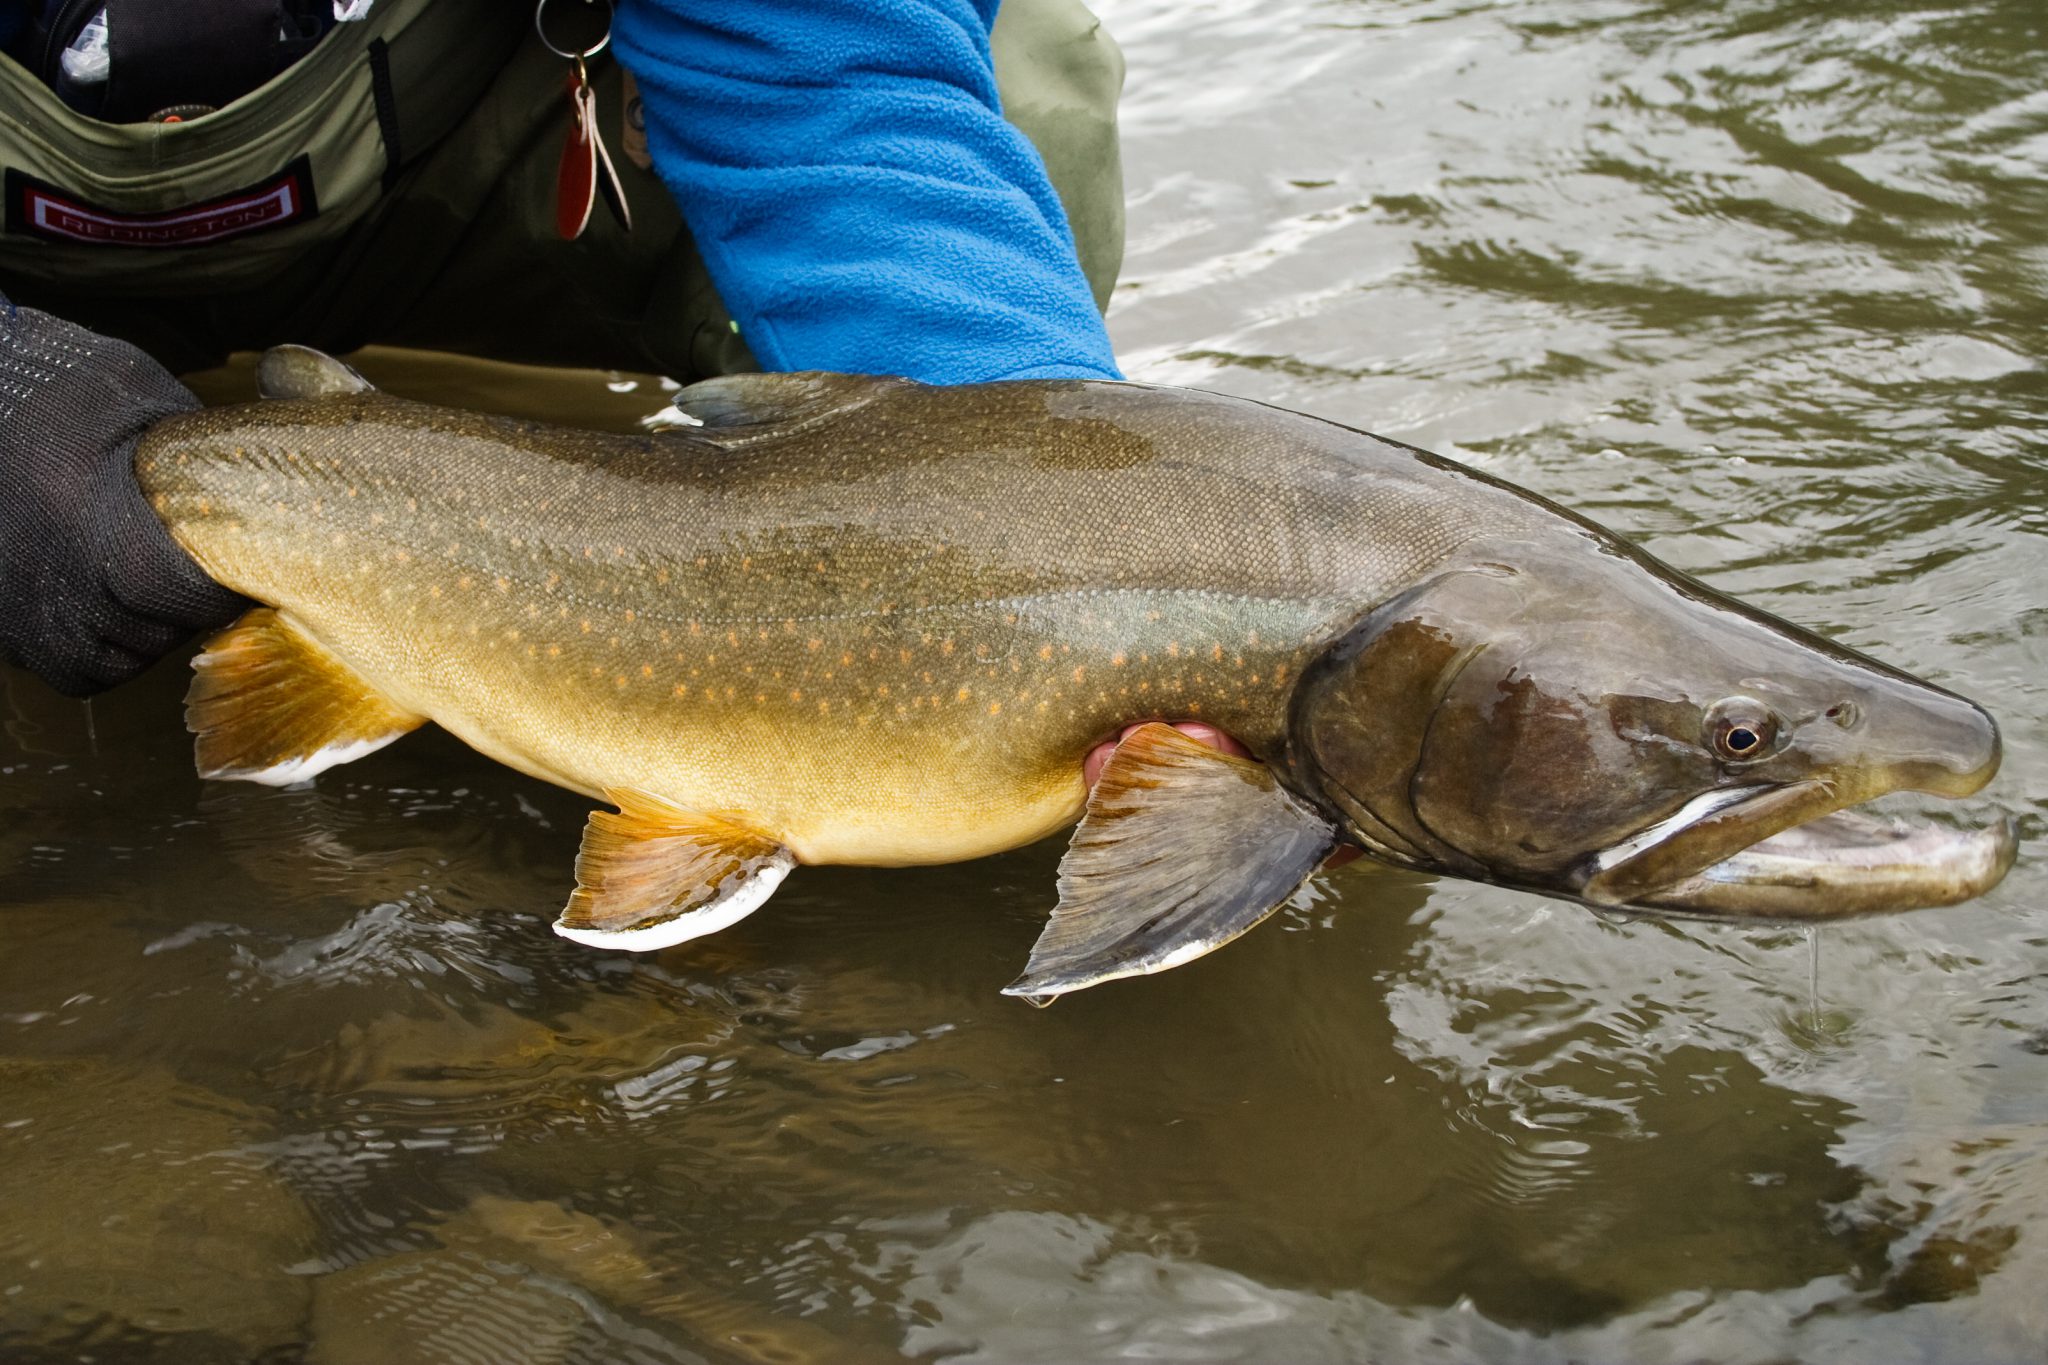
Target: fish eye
column 1741, row 728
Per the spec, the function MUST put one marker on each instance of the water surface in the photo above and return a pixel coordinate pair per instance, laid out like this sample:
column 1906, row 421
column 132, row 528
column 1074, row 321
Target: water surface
column 302, row 1075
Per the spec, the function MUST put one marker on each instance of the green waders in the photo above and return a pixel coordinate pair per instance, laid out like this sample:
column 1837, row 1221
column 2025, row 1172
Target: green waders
column 398, row 186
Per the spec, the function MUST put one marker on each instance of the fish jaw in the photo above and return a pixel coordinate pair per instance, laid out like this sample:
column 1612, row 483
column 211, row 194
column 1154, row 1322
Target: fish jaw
column 1843, row 865
column 1796, row 853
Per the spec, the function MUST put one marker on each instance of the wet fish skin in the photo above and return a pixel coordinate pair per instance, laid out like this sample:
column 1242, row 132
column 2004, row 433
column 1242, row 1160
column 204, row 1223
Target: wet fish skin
column 913, row 580
column 868, row 621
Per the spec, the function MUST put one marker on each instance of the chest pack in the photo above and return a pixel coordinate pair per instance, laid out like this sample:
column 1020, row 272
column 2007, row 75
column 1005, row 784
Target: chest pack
column 288, row 139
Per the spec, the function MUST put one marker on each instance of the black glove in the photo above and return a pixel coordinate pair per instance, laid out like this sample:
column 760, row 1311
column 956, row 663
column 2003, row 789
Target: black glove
column 92, row 588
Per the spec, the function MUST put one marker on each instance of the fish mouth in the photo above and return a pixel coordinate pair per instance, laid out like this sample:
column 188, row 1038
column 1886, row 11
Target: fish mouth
column 1793, row 852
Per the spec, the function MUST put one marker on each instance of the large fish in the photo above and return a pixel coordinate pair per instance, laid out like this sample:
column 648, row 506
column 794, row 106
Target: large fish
column 860, row 620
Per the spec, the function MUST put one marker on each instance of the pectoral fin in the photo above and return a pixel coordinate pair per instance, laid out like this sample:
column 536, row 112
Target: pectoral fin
column 269, row 704
column 1182, row 849
column 655, row 874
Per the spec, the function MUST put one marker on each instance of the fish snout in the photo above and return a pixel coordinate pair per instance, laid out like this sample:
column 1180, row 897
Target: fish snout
column 1951, row 748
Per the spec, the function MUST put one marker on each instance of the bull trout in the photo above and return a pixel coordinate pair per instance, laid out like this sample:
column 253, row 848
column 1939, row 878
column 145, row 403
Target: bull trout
column 863, row 620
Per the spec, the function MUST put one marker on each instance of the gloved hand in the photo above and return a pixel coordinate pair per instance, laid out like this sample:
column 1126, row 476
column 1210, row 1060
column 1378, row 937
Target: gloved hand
column 92, row 588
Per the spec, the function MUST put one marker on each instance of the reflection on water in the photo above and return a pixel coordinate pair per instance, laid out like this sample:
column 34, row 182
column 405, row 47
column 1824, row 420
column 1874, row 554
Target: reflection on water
column 302, row 1074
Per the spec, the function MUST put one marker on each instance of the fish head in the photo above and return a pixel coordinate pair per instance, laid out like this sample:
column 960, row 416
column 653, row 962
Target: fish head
column 1599, row 727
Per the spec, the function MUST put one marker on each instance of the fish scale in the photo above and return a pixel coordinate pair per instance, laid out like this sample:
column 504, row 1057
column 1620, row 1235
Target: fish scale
column 929, row 596
column 862, row 620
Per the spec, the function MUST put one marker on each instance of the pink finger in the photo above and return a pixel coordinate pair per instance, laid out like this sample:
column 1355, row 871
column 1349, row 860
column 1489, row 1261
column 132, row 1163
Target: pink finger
column 1098, row 757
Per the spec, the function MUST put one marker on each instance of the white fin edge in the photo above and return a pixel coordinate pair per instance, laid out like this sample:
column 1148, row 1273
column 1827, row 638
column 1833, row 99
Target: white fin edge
column 720, row 914
column 309, row 767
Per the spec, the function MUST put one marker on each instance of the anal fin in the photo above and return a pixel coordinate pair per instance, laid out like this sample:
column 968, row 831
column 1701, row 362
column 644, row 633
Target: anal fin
column 656, row 874
column 1182, row 848
column 269, row 704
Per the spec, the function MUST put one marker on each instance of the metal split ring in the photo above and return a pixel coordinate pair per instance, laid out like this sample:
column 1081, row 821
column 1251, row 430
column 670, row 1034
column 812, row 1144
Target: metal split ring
column 540, row 11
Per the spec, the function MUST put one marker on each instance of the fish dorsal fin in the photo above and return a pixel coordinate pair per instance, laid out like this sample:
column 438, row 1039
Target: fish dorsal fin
column 1182, row 848
column 302, row 372
column 736, row 408
column 269, row 704
column 656, row 874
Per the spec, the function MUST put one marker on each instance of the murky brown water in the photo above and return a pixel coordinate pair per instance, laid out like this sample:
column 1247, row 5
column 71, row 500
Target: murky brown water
column 302, row 1074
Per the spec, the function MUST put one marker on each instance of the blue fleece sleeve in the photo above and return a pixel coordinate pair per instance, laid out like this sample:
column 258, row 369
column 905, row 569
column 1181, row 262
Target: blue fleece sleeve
column 856, row 194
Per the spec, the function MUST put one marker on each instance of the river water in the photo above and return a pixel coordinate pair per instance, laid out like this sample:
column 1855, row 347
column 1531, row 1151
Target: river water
column 303, row 1075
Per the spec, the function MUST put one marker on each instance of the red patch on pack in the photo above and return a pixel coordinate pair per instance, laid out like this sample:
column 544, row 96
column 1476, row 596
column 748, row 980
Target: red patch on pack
column 41, row 210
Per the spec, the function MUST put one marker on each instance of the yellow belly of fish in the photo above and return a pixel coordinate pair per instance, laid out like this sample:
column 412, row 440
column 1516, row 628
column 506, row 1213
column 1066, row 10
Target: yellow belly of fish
column 838, row 803
column 882, row 784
